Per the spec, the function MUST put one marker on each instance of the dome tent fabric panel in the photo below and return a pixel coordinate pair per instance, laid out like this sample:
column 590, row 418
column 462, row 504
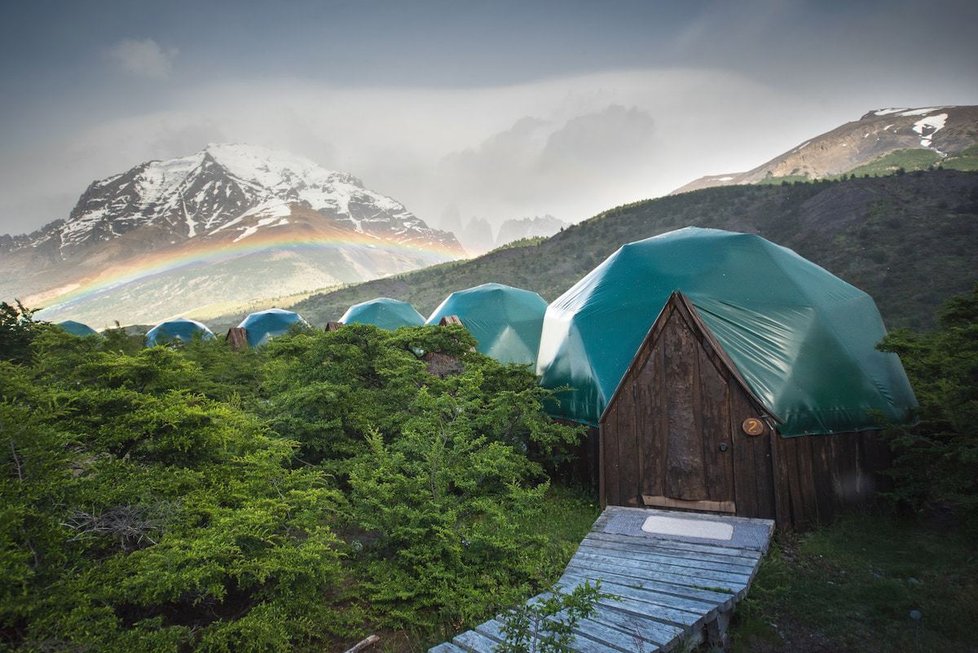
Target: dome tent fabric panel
column 383, row 312
column 264, row 325
column 77, row 328
column 180, row 329
column 505, row 321
column 803, row 339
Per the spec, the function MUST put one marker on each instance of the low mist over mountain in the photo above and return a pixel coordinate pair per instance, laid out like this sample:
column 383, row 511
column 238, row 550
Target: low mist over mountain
column 202, row 234
column 881, row 142
column 535, row 227
column 477, row 237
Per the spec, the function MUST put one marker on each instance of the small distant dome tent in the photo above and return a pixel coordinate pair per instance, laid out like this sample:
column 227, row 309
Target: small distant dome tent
column 264, row 325
column 178, row 330
column 383, row 312
column 725, row 373
column 77, row 328
column 504, row 321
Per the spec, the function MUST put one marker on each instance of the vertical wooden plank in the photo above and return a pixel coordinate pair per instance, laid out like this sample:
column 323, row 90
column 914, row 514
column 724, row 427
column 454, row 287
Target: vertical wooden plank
column 764, row 478
column 609, row 456
column 628, row 459
column 782, row 489
column 685, row 468
column 645, row 421
column 799, row 516
column 823, row 466
column 656, row 463
column 874, row 458
column 807, row 478
column 856, row 484
column 603, row 434
column 715, row 412
column 745, row 487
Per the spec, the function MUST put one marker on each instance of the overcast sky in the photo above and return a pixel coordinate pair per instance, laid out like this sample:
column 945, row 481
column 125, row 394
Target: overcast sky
column 497, row 108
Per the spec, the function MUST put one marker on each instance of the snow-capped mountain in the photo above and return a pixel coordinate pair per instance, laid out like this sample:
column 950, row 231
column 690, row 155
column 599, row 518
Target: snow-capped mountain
column 240, row 188
column 280, row 218
column 880, row 142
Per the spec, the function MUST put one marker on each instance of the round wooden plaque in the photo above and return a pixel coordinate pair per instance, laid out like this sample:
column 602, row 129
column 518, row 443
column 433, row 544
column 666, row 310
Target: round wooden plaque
column 753, row 426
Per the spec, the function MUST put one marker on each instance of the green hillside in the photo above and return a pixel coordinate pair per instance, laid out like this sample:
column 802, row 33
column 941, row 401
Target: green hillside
column 911, row 241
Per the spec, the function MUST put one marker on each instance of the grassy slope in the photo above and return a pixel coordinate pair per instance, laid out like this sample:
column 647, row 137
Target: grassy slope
column 910, row 241
column 911, row 159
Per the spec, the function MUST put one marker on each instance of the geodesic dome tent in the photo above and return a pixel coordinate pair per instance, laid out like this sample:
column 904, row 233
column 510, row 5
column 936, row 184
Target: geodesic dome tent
column 178, row 330
column 77, row 328
column 264, row 325
column 383, row 312
column 505, row 321
column 803, row 340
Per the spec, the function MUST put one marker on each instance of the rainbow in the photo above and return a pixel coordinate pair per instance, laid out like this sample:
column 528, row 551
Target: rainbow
column 190, row 254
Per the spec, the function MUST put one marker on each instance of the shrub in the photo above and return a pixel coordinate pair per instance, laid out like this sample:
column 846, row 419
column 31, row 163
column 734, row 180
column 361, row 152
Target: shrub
column 137, row 515
column 936, row 461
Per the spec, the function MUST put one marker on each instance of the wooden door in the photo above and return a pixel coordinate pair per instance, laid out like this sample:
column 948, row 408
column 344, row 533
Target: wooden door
column 696, row 465
column 671, row 435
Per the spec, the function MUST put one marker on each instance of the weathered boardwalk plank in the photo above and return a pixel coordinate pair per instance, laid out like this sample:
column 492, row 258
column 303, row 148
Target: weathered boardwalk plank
column 665, row 589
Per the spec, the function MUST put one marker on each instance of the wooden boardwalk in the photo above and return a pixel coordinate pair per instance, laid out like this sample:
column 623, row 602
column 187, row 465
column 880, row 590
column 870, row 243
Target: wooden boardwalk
column 675, row 578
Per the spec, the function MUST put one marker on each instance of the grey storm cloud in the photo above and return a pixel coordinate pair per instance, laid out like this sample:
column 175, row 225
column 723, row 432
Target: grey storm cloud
column 601, row 144
column 505, row 109
column 143, row 58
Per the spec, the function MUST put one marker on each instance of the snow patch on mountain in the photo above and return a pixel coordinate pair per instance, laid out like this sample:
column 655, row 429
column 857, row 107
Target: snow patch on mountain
column 929, row 126
column 890, row 111
column 921, row 112
column 227, row 187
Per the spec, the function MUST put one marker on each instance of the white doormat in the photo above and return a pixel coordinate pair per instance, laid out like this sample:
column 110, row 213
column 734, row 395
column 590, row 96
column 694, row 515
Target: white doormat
column 711, row 530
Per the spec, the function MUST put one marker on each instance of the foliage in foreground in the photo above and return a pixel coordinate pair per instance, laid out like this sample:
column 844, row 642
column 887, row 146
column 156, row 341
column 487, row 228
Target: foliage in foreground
column 137, row 514
column 198, row 498
column 936, row 461
column 546, row 624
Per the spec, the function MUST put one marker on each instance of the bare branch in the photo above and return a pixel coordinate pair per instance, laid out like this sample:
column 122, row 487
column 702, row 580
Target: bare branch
column 13, row 452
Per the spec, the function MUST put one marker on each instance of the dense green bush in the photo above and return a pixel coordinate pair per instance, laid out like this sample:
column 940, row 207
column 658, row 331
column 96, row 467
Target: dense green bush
column 196, row 498
column 17, row 328
column 332, row 391
column 936, row 461
column 138, row 514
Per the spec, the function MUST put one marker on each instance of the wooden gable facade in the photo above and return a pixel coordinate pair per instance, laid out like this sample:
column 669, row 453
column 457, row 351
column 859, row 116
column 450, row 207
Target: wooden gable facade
column 684, row 430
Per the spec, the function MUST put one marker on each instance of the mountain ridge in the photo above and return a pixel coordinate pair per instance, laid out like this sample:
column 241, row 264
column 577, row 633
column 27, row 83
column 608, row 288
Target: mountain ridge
column 910, row 241
column 938, row 135
column 227, row 201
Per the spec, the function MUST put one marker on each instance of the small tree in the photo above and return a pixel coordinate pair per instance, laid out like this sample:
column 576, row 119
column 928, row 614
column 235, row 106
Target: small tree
column 546, row 625
column 17, row 329
column 936, row 461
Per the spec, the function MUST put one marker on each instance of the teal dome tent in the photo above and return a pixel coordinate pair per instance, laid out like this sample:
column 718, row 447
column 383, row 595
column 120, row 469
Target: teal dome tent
column 505, row 321
column 178, row 330
column 77, row 328
column 803, row 340
column 383, row 312
column 263, row 325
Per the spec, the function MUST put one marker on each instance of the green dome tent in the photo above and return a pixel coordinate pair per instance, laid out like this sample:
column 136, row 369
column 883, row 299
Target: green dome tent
column 180, row 329
column 802, row 339
column 77, row 328
column 505, row 321
column 383, row 312
column 263, row 325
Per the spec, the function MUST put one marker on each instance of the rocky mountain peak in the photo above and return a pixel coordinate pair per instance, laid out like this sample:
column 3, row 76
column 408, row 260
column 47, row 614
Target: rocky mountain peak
column 881, row 142
column 226, row 186
column 194, row 230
